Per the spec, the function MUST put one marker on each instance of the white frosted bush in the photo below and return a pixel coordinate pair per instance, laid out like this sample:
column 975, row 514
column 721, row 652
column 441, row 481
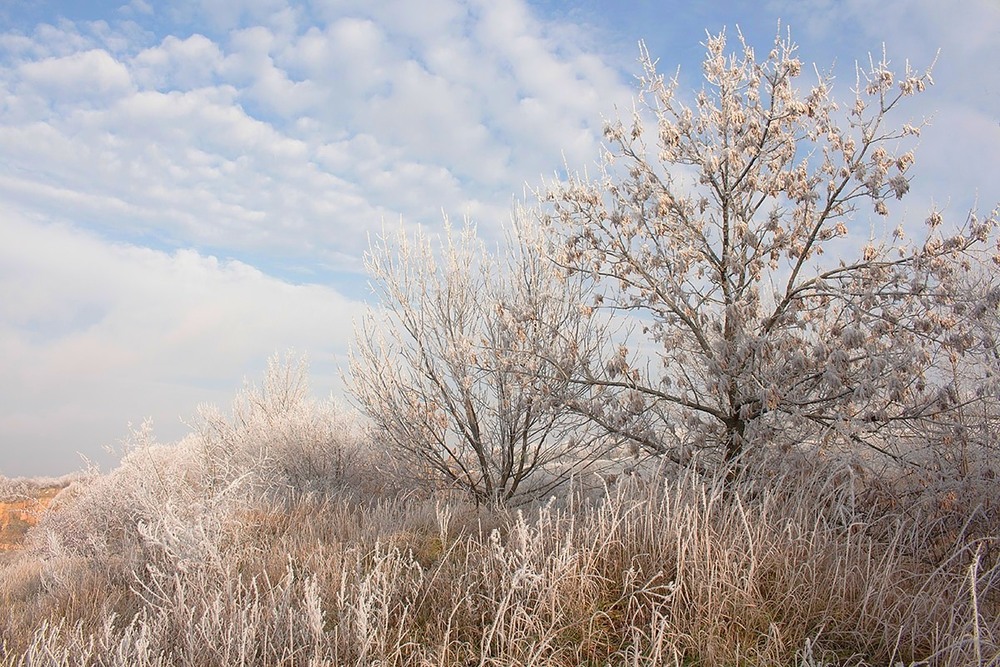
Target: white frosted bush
column 179, row 503
column 276, row 430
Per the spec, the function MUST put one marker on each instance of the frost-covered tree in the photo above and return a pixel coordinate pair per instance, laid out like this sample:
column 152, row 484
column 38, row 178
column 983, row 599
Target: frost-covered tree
column 464, row 367
column 735, row 231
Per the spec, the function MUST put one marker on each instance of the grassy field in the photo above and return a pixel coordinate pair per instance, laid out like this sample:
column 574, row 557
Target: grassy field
column 810, row 567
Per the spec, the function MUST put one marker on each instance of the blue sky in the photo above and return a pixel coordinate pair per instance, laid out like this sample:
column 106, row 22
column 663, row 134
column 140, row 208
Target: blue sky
column 187, row 188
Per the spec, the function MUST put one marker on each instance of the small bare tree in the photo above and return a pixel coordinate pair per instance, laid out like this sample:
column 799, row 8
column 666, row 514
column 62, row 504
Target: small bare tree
column 726, row 240
column 464, row 369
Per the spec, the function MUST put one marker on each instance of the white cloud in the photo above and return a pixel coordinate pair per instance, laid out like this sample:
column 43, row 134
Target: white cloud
column 231, row 140
column 426, row 21
column 430, row 116
column 93, row 335
column 137, row 7
column 191, row 166
column 91, row 75
column 227, row 14
column 179, row 64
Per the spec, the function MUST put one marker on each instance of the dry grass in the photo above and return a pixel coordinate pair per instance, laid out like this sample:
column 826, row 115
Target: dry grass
column 670, row 571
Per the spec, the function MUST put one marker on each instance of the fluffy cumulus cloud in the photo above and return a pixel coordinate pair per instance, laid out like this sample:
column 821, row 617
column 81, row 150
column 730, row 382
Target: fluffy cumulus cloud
column 188, row 187
column 188, row 137
column 88, row 75
column 178, row 63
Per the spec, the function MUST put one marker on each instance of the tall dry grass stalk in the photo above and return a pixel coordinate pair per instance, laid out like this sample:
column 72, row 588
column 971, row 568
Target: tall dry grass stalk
column 678, row 570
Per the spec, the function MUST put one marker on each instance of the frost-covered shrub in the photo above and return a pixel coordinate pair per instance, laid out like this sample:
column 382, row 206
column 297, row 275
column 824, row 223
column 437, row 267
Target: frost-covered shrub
column 281, row 436
column 169, row 542
column 278, row 443
column 13, row 489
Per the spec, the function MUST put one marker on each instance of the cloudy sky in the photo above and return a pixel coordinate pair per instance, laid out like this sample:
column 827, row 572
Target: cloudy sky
column 187, row 188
